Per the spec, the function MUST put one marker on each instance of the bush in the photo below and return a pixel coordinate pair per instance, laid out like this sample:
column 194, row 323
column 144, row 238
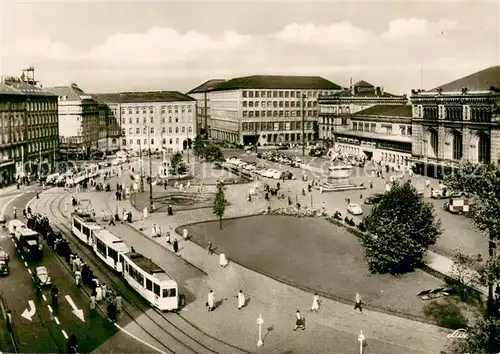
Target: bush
column 447, row 315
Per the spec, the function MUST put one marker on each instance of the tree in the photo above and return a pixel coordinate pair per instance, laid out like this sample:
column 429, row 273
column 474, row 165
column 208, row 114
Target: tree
column 177, row 163
column 220, row 202
column 482, row 337
column 462, row 270
column 400, row 230
column 213, row 153
column 482, row 183
column 198, row 146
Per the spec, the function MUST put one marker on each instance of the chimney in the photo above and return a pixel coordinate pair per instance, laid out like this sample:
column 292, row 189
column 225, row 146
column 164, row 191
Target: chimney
column 381, row 91
column 351, row 87
column 377, row 90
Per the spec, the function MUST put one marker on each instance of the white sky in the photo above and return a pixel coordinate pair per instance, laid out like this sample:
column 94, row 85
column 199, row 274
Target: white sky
column 139, row 45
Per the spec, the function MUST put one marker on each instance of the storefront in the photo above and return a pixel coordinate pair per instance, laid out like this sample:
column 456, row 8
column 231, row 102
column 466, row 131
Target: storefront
column 7, row 172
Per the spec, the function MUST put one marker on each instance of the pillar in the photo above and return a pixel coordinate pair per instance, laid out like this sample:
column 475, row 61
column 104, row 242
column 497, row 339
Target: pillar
column 495, row 145
column 466, row 142
column 417, row 139
column 441, row 142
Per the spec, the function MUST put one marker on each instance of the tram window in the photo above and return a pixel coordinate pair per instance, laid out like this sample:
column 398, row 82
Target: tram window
column 101, row 247
column 76, row 224
column 169, row 292
column 149, row 285
column 156, row 289
column 113, row 254
column 86, row 231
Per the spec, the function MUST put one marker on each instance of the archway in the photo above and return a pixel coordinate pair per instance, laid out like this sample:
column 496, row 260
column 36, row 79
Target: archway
column 431, row 145
column 457, row 146
column 483, row 148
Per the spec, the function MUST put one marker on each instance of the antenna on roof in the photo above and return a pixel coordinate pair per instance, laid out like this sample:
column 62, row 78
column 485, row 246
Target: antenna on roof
column 421, row 74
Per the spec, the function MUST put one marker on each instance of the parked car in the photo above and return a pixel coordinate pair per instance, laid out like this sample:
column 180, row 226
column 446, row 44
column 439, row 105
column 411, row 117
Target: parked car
column 354, row 209
column 374, row 199
column 4, row 268
column 41, row 277
column 4, row 256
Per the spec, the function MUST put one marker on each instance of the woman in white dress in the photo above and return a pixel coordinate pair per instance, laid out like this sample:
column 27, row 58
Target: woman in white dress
column 223, row 260
column 315, row 303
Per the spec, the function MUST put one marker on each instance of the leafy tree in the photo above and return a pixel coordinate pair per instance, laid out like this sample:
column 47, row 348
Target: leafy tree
column 213, row 153
column 400, row 230
column 220, row 203
column 198, row 146
column 482, row 183
column 490, row 272
column 177, row 163
column 463, row 272
column 482, row 337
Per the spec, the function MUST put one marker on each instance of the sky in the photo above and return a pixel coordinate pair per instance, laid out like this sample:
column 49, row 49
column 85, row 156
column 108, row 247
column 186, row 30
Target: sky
column 110, row 46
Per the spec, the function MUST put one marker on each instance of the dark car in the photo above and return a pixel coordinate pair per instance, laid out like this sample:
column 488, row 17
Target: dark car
column 4, row 268
column 374, row 199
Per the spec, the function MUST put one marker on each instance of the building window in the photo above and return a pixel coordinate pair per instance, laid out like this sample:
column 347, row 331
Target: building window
column 457, row 145
column 136, row 120
column 152, row 120
column 170, row 141
column 152, row 141
column 354, row 126
column 256, row 94
column 183, row 130
column 170, row 130
column 373, row 127
column 245, row 113
column 402, row 129
column 408, row 130
column 190, row 130
column 131, row 141
column 152, row 130
column 484, row 148
column 138, row 131
column 177, row 141
column 243, row 93
column 244, row 103
column 164, row 141
column 130, row 131
column 139, row 142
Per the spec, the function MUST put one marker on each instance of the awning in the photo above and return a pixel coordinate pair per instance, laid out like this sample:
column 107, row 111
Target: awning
column 6, row 163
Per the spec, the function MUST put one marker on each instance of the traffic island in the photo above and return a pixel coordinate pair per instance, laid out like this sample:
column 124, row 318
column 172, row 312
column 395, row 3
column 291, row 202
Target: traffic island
column 179, row 201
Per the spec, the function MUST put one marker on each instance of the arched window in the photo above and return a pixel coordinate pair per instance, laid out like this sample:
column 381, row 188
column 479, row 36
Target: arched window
column 170, row 130
column 131, row 142
column 484, row 148
column 457, row 145
column 164, row 141
column 177, row 141
column 170, row 141
column 432, row 143
column 144, row 130
column 138, row 141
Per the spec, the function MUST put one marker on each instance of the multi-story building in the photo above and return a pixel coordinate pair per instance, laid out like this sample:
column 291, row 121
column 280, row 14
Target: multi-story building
column 381, row 133
column 202, row 96
column 157, row 120
column 12, row 131
column 78, row 121
column 457, row 121
column 266, row 109
column 335, row 109
column 109, row 126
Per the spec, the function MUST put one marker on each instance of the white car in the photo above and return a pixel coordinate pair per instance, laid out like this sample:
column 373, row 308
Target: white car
column 268, row 173
column 354, row 209
column 41, row 277
column 276, row 174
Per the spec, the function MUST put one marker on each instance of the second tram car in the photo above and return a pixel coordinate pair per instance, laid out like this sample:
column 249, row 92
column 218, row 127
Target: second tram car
column 109, row 247
column 150, row 281
column 82, row 226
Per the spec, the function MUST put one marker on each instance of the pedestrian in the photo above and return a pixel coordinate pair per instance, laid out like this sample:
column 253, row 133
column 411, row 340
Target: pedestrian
column 104, row 290
column 78, row 276
column 74, row 264
column 348, row 201
column 112, row 221
column 92, row 300
column 118, row 303
column 241, row 299
column 72, row 261
column 153, row 231
column 223, row 260
column 209, row 248
column 358, row 302
column 315, row 303
column 211, row 301
column 427, row 182
column 66, row 207
column 176, row 246
column 299, row 321
column 14, row 212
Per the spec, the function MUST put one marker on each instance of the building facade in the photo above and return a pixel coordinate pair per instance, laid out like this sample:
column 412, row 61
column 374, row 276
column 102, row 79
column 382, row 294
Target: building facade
column 457, row 121
column 78, row 121
column 266, row 110
column 160, row 120
column 202, row 96
column 109, row 127
column 381, row 133
column 335, row 109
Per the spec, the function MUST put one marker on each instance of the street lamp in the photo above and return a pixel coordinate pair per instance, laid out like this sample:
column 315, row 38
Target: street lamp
column 260, row 322
column 150, row 172
column 361, row 340
column 141, row 163
column 303, row 99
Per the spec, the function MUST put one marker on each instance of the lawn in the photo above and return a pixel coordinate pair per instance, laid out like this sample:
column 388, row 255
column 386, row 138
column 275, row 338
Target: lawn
column 314, row 254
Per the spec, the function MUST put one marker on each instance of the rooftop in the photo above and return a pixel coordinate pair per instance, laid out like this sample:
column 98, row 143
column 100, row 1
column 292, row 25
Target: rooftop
column 207, row 86
column 366, row 93
column 7, row 90
column 363, row 83
column 71, row 92
column 28, row 89
column 376, row 136
column 145, row 264
column 278, row 82
column 387, row 110
column 147, row 96
column 478, row 81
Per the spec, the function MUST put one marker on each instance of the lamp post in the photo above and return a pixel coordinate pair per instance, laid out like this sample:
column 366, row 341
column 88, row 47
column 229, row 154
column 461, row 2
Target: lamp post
column 361, row 340
column 260, row 322
column 150, row 172
column 303, row 100
column 141, row 162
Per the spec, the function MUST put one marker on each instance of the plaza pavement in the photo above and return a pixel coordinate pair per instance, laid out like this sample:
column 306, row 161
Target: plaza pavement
column 334, row 329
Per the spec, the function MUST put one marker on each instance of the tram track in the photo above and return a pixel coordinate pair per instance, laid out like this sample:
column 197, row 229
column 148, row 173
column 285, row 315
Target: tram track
column 185, row 336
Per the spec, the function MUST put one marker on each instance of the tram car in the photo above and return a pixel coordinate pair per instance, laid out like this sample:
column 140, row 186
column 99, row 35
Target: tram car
column 82, row 226
column 108, row 248
column 150, row 281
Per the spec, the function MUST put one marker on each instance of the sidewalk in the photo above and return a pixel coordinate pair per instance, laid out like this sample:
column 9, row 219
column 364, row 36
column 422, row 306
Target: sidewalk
column 336, row 322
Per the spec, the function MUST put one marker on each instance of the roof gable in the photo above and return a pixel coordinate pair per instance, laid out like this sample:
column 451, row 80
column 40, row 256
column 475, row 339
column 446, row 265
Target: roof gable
column 207, row 86
column 387, row 110
column 147, row 96
column 278, row 82
column 478, row 81
column 363, row 84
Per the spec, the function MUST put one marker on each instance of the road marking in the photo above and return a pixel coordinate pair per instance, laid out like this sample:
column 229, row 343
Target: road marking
column 22, row 257
column 44, row 297
column 64, row 334
column 57, row 320
column 29, row 313
column 138, row 339
column 78, row 312
column 29, row 271
column 25, row 264
column 50, row 308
